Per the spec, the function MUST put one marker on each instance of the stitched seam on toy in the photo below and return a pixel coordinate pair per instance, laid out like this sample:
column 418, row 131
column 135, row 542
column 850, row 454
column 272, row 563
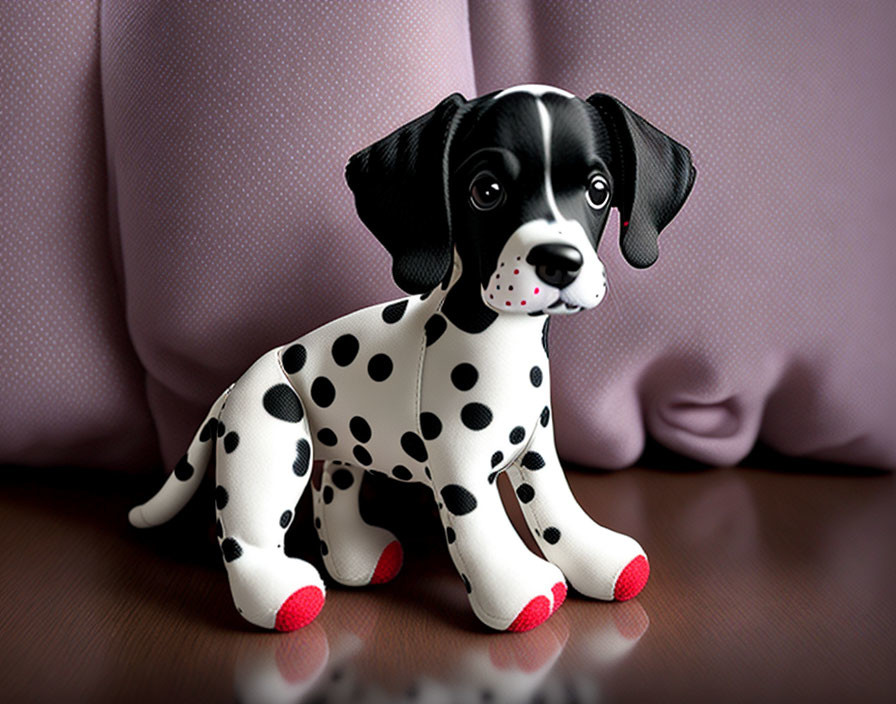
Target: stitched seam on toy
column 418, row 391
column 448, row 522
column 318, row 512
column 531, row 509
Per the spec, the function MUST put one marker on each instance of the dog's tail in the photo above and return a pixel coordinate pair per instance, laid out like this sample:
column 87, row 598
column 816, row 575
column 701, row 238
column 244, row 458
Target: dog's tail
column 184, row 480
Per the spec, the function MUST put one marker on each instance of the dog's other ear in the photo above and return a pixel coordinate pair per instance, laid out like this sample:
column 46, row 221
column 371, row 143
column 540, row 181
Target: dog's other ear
column 652, row 175
column 401, row 193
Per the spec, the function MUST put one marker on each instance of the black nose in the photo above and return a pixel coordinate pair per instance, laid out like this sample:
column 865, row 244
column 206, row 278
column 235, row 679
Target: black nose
column 556, row 264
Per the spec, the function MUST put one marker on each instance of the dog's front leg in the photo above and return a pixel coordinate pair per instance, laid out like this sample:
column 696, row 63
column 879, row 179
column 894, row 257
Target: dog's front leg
column 598, row 562
column 509, row 587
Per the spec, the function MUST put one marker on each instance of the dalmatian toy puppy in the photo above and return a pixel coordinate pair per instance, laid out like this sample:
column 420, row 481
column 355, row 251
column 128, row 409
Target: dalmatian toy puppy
column 492, row 209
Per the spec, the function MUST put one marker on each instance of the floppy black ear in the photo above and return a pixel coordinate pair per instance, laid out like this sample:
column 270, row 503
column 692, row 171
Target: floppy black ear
column 652, row 175
column 401, row 193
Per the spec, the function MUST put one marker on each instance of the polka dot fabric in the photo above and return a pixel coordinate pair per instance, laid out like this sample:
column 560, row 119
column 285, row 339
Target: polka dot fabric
column 172, row 205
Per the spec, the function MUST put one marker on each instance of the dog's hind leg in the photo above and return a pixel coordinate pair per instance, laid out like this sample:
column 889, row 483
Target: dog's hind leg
column 263, row 465
column 355, row 553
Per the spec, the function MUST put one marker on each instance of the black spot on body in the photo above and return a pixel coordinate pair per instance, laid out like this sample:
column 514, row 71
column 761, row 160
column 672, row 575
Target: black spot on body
column 293, row 359
column 380, row 367
column 414, row 447
column 476, row 416
column 427, row 472
column 467, row 584
column 282, row 402
column 328, row 494
column 430, row 425
column 458, row 500
column 183, row 470
column 221, row 429
column 231, row 549
column 327, row 437
column 464, row 376
column 496, row 458
column 532, row 460
column 285, row 518
column 322, row 391
column 517, row 435
column 208, row 430
column 317, row 523
column 551, row 535
column 360, row 429
column 450, row 535
column 345, row 349
column 231, row 441
column 303, row 458
column 323, row 548
column 525, row 492
column 535, row 376
column 221, row 497
column 362, row 455
column 342, row 478
column 493, row 476
column 434, row 328
column 399, row 471
column 394, row 312
column 544, row 336
column 545, row 417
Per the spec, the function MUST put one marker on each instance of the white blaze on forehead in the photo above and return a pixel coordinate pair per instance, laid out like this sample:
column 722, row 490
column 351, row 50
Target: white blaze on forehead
column 537, row 91
column 534, row 89
column 544, row 118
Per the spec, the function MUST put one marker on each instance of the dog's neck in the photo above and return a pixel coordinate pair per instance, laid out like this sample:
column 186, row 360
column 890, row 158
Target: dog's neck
column 464, row 307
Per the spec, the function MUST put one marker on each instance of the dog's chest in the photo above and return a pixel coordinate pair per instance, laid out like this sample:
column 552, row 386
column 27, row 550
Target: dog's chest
column 488, row 389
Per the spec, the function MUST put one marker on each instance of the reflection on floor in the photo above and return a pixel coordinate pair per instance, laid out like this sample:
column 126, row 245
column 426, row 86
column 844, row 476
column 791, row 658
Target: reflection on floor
column 772, row 584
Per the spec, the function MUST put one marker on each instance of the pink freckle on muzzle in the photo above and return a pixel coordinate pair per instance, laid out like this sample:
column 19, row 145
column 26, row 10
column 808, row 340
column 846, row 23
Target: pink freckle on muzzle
column 537, row 290
column 507, row 303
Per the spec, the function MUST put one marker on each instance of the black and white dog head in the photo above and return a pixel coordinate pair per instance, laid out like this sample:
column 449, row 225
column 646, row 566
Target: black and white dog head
column 520, row 183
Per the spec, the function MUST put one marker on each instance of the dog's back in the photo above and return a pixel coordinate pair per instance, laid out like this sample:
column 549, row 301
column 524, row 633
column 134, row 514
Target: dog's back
column 359, row 380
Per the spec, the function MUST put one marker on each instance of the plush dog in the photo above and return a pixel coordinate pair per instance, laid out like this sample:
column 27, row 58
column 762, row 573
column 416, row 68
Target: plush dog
column 492, row 209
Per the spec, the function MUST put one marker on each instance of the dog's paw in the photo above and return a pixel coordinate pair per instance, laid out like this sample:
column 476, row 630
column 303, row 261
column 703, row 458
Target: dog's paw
column 389, row 564
column 300, row 609
column 538, row 610
column 632, row 579
column 516, row 600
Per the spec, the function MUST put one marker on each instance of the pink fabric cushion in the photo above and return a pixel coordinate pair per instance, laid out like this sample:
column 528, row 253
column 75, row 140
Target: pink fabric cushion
column 172, row 205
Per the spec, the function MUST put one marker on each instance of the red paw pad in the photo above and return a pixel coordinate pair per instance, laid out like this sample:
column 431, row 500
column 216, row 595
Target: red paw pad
column 389, row 564
column 559, row 592
column 632, row 579
column 300, row 609
column 535, row 613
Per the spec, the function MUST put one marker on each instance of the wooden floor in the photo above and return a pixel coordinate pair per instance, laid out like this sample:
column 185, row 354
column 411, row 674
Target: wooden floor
column 772, row 582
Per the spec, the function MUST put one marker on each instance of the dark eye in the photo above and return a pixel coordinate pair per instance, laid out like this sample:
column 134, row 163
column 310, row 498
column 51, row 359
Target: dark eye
column 486, row 192
column 598, row 193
